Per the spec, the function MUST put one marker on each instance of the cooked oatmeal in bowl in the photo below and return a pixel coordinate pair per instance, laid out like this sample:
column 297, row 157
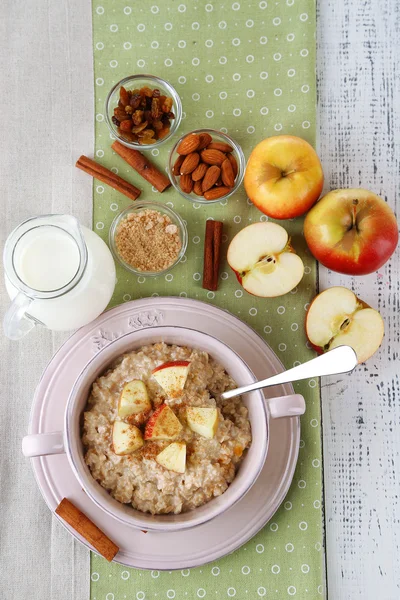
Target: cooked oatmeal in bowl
column 156, row 434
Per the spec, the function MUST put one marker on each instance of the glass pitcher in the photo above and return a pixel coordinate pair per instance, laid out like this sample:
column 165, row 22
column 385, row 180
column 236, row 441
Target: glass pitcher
column 58, row 274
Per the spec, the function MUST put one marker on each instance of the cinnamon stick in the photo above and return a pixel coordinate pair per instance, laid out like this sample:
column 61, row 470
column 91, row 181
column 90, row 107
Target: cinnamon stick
column 108, row 177
column 143, row 166
column 83, row 525
column 212, row 252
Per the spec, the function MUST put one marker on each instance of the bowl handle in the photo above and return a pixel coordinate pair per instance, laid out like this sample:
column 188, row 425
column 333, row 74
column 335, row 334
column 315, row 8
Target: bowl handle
column 286, row 406
column 43, row 444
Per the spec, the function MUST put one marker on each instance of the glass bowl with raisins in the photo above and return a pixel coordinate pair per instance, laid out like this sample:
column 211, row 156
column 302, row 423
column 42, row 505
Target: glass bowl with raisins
column 206, row 166
column 143, row 111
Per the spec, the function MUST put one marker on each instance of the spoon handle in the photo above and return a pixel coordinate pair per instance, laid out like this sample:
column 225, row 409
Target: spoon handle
column 339, row 360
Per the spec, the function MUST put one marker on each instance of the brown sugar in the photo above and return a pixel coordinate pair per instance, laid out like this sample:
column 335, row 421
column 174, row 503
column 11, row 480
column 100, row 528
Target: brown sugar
column 148, row 241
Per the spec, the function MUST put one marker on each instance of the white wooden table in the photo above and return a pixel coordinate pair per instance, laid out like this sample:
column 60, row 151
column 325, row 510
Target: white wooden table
column 45, row 47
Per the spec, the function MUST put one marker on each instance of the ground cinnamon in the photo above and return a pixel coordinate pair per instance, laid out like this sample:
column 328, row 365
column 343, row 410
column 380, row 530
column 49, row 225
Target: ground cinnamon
column 143, row 166
column 212, row 251
column 92, row 168
column 87, row 529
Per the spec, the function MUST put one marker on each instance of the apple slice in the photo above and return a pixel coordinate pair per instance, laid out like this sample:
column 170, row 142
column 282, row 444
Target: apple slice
column 173, row 457
column 134, row 399
column 126, row 438
column 162, row 425
column 172, row 377
column 337, row 317
column 264, row 261
column 203, row 421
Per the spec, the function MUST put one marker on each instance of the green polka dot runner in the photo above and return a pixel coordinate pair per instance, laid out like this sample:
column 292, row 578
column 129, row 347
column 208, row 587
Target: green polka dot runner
column 246, row 68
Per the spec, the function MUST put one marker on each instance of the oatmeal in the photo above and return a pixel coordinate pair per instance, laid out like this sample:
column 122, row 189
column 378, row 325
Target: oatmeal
column 187, row 447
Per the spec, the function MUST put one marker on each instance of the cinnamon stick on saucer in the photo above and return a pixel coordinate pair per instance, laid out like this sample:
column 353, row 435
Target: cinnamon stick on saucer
column 108, row 177
column 143, row 166
column 83, row 525
column 212, row 247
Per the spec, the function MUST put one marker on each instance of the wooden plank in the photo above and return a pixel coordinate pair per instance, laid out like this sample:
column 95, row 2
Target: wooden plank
column 359, row 100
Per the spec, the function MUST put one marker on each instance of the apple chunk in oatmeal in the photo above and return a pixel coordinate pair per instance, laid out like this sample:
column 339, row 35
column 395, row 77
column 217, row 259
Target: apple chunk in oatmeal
column 156, row 433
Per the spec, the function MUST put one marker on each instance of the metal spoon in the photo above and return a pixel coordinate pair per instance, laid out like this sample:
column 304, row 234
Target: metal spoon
column 340, row 360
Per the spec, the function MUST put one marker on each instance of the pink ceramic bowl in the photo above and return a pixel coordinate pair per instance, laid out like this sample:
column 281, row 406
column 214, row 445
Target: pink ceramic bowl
column 69, row 440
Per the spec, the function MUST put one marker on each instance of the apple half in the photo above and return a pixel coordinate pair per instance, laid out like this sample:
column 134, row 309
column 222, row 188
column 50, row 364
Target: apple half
column 173, row 457
column 134, row 399
column 337, row 317
column 171, row 376
column 203, row 421
column 126, row 438
column 264, row 261
column 162, row 425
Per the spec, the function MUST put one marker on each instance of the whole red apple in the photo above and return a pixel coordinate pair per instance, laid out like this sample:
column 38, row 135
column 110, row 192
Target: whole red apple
column 351, row 231
column 283, row 177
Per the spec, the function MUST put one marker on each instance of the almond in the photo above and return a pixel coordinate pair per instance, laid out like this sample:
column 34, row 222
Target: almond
column 197, row 188
column 190, row 163
column 216, row 192
column 228, row 178
column 213, row 157
column 189, row 144
column 186, row 183
column 210, row 177
column 176, row 169
column 205, row 139
column 234, row 164
column 199, row 172
column 221, row 146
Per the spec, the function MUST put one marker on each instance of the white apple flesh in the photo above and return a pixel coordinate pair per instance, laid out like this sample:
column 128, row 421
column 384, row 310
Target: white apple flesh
column 171, row 376
column 162, row 425
column 203, row 421
column 337, row 317
column 263, row 260
column 134, row 399
column 126, row 439
column 173, row 457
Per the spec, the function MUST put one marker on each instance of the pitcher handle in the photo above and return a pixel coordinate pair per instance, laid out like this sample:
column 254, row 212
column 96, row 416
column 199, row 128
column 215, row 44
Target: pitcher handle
column 16, row 323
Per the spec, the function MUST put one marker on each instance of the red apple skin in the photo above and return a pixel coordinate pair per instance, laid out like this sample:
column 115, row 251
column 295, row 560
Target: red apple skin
column 283, row 177
column 351, row 231
column 172, row 363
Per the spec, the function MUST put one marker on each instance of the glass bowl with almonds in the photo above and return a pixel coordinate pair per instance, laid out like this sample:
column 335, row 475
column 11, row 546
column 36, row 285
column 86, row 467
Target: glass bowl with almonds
column 206, row 166
column 143, row 111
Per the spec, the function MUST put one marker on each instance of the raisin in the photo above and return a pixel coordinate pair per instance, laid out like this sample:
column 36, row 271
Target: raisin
column 115, row 121
column 137, row 117
column 167, row 105
column 146, row 91
column 163, row 132
column 123, row 96
column 171, row 115
column 155, row 109
column 147, row 115
column 156, row 93
column 131, row 137
column 120, row 114
column 135, row 100
column 157, row 125
column 146, row 140
column 140, row 127
column 126, row 126
column 147, row 133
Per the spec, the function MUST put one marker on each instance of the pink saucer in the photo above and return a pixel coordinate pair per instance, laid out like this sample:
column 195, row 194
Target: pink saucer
column 207, row 542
